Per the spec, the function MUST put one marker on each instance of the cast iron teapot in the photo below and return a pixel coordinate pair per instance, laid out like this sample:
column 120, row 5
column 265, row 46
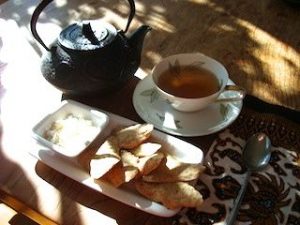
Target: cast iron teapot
column 91, row 56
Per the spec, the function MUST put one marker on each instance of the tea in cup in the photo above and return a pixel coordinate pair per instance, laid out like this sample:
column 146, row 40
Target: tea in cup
column 193, row 81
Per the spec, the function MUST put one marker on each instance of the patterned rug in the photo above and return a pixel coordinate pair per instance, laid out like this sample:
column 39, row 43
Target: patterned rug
column 272, row 195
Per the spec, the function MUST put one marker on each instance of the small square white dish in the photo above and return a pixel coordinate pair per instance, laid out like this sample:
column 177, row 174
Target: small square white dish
column 71, row 128
column 183, row 151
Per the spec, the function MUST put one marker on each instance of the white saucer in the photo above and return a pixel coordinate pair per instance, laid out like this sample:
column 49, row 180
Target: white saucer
column 153, row 109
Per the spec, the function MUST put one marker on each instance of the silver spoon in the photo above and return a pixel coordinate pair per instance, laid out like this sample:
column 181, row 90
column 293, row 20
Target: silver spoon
column 256, row 156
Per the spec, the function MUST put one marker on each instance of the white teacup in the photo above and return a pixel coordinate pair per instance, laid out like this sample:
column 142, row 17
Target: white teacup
column 177, row 98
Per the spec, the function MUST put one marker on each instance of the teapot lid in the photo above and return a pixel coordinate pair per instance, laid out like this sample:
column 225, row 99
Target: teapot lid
column 87, row 35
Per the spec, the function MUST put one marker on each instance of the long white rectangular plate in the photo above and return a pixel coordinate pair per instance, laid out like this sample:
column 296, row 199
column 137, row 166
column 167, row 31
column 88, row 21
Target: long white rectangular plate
column 70, row 167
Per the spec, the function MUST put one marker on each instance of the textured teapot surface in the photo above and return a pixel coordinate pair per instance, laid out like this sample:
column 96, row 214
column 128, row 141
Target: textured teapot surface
column 76, row 70
column 91, row 56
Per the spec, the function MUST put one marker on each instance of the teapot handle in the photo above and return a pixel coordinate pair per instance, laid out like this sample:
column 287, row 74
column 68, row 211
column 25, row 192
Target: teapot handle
column 43, row 5
column 34, row 19
column 131, row 14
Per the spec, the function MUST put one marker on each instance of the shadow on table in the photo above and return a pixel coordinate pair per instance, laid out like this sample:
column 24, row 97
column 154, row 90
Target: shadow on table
column 20, row 219
column 176, row 25
column 69, row 213
column 230, row 31
column 15, row 171
column 75, row 191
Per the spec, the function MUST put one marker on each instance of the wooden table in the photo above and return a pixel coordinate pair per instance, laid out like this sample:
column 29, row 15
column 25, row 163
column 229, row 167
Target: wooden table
column 253, row 62
column 257, row 42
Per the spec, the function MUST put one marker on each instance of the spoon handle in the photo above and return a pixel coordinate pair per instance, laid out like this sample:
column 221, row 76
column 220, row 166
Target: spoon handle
column 239, row 199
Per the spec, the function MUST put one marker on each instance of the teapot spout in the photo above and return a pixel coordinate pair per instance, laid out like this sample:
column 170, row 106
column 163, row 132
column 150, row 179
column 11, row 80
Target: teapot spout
column 136, row 39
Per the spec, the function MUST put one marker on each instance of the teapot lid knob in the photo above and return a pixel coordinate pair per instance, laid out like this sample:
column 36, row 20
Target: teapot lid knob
column 88, row 35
